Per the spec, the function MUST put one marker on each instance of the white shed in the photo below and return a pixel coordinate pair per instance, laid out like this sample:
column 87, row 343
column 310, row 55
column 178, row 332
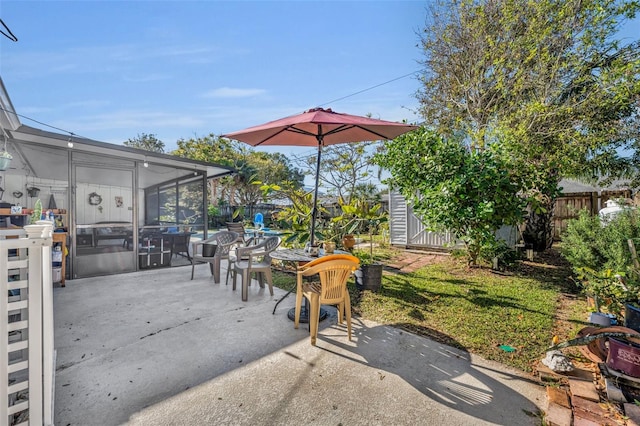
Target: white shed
column 408, row 231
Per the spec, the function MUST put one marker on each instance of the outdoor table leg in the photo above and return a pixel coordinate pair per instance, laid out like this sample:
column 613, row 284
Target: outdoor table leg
column 304, row 312
column 296, row 255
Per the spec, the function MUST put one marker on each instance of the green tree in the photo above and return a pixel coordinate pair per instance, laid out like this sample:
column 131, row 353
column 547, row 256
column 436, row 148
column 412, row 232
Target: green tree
column 208, row 148
column 452, row 187
column 547, row 79
column 297, row 214
column 269, row 168
column 251, row 166
column 216, row 150
column 343, row 168
column 148, row 142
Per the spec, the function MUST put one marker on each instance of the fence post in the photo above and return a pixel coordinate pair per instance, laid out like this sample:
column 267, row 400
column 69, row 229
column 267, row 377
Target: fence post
column 27, row 277
column 595, row 205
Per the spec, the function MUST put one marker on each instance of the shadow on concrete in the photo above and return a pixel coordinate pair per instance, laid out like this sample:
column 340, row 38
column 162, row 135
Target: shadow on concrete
column 451, row 377
column 155, row 348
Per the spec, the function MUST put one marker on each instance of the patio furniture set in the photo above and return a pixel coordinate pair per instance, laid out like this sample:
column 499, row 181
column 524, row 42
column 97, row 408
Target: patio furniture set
column 253, row 255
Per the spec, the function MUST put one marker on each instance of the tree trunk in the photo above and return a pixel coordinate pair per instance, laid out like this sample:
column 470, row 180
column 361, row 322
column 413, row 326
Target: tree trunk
column 538, row 232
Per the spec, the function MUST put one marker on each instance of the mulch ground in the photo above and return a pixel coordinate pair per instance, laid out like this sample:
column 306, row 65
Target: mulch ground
column 409, row 261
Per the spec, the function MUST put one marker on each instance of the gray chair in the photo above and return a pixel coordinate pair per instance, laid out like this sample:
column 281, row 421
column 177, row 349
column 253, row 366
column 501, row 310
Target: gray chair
column 238, row 227
column 180, row 244
column 255, row 259
column 223, row 241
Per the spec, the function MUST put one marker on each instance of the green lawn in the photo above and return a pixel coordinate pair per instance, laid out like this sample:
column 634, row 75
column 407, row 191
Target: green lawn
column 474, row 309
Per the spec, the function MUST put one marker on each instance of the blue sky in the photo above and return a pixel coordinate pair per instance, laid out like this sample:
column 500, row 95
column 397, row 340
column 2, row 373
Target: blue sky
column 109, row 70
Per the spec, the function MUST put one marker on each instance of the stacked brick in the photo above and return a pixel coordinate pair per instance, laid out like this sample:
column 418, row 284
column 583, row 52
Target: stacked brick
column 583, row 398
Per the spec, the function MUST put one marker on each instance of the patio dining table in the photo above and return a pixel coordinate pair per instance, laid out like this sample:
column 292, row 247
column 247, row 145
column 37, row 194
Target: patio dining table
column 260, row 234
column 300, row 256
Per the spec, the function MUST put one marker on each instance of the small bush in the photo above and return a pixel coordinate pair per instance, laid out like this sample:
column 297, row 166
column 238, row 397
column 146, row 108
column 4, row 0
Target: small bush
column 600, row 256
column 498, row 248
column 587, row 243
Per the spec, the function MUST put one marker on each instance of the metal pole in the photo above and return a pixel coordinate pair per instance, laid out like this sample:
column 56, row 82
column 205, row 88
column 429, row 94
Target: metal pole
column 315, row 194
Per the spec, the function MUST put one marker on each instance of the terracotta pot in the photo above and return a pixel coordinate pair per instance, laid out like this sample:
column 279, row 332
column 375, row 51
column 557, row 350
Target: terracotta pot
column 348, row 241
column 329, row 246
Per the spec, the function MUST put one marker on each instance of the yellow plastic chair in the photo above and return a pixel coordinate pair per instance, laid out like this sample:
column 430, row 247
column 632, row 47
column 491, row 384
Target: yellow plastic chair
column 334, row 271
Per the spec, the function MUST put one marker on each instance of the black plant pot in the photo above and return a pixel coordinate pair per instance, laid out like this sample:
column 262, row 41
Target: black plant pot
column 209, row 250
column 369, row 277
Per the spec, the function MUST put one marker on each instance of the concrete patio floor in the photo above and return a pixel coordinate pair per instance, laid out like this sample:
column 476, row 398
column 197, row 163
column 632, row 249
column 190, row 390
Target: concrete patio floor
column 155, row 348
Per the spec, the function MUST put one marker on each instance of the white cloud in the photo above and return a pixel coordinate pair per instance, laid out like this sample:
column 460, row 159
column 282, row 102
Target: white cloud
column 229, row 92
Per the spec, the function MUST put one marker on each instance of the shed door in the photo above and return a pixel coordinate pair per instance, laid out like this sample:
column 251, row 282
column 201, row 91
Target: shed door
column 104, row 200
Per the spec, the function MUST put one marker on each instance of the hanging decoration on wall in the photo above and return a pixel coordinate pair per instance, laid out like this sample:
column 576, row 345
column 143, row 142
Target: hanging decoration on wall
column 119, row 201
column 95, row 199
column 33, row 191
column 17, row 194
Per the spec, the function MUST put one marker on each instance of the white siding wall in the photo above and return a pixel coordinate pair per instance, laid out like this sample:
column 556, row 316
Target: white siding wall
column 397, row 218
column 406, row 229
column 86, row 213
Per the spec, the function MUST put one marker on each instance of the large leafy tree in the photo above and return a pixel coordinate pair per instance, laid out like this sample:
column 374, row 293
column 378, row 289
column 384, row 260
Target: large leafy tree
column 251, row 166
column 345, row 169
column 148, row 142
column 547, row 79
column 454, row 188
column 212, row 149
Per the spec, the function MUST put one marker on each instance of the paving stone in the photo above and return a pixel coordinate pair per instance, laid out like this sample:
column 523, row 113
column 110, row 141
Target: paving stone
column 548, row 375
column 584, row 389
column 558, row 396
column 589, row 410
column 558, row 415
column 632, row 411
column 581, row 421
column 614, row 393
column 582, row 374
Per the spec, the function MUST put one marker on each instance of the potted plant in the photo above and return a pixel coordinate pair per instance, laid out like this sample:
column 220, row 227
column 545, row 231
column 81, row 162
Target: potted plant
column 37, row 212
column 5, row 159
column 332, row 231
column 605, row 263
column 368, row 217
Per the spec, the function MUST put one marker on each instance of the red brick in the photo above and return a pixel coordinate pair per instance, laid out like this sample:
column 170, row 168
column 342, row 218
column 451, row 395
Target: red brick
column 557, row 415
column 558, row 396
column 584, row 389
column 582, row 373
column 581, row 421
column 589, row 410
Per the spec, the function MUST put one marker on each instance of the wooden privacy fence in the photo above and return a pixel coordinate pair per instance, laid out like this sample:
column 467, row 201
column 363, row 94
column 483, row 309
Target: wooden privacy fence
column 568, row 205
column 27, row 360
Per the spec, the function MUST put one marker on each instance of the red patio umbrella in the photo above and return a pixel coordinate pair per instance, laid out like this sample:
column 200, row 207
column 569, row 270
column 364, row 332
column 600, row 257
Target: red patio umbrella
column 319, row 127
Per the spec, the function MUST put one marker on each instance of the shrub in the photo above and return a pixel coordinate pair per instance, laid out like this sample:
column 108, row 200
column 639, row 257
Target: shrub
column 599, row 255
column 587, row 243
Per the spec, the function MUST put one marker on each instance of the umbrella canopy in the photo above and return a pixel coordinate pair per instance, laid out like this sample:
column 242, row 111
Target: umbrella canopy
column 319, row 127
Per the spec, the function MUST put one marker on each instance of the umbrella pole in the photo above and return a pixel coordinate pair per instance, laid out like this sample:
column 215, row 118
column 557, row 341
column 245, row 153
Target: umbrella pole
column 315, row 194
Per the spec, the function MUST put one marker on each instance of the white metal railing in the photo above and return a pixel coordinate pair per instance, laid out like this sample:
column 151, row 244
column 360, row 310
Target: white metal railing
column 26, row 325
